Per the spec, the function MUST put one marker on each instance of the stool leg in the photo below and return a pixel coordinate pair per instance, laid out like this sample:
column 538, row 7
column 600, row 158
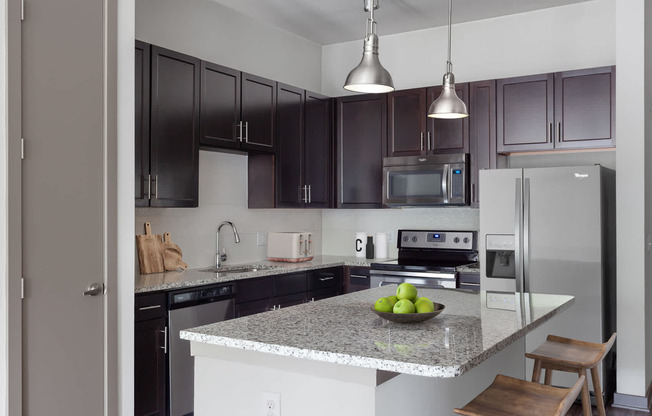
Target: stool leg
column 547, row 379
column 536, row 373
column 586, row 400
column 598, row 391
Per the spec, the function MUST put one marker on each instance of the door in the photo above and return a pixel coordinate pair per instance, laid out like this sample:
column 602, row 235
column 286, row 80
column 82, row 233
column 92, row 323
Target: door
column 143, row 182
column 68, row 224
column 525, row 113
column 482, row 141
column 174, row 137
column 220, row 106
column 289, row 185
column 407, row 122
column 448, row 135
column 318, row 150
column 258, row 113
column 565, row 251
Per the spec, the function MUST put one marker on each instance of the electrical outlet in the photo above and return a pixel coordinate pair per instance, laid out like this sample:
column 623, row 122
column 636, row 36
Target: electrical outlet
column 390, row 236
column 270, row 404
column 261, row 239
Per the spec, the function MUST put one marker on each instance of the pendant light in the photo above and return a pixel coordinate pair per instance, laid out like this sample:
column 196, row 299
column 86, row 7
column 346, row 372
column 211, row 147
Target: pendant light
column 369, row 75
column 448, row 105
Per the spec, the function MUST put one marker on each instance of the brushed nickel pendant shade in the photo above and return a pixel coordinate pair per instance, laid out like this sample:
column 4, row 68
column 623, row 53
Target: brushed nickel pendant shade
column 448, row 105
column 370, row 76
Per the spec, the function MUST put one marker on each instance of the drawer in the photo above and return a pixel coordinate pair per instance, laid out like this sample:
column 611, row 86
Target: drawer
column 358, row 279
column 326, row 278
column 150, row 306
column 248, row 290
column 286, row 284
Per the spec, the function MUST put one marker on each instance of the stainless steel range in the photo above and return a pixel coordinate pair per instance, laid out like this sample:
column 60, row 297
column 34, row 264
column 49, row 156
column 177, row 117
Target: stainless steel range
column 427, row 259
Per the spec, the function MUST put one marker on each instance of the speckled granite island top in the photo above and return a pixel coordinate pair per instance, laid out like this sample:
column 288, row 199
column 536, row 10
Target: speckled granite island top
column 344, row 330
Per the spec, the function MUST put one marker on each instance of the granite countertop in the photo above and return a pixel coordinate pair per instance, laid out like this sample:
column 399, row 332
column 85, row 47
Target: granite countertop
column 344, row 330
column 196, row 277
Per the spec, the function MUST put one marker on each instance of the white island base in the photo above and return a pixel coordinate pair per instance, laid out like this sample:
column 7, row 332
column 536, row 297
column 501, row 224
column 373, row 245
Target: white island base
column 231, row 381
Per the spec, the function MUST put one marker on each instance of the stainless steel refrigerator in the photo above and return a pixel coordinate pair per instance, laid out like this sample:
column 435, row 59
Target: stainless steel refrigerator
column 552, row 230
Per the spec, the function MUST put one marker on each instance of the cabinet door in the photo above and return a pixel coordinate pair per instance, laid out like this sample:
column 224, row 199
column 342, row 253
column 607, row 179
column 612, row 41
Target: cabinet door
column 361, row 146
column 141, row 137
column 150, row 368
column 482, row 142
column 290, row 300
column 220, row 106
column 525, row 113
column 318, row 150
column 448, row 136
column 584, row 108
column 254, row 307
column 285, row 284
column 407, row 122
column 289, row 113
column 174, row 134
column 357, row 278
column 258, row 112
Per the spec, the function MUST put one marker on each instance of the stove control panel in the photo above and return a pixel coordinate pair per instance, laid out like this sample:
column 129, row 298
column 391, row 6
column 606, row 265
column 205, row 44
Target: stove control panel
column 450, row 240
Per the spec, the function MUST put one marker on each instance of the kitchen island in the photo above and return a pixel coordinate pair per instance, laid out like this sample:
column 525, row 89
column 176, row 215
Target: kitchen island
column 336, row 356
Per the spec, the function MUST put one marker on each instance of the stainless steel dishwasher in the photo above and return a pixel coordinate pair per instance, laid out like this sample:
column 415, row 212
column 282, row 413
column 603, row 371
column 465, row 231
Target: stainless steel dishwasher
column 189, row 308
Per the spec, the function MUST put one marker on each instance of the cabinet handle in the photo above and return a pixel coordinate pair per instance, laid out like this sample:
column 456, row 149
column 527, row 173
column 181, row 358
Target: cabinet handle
column 472, row 192
column 309, row 194
column 422, row 146
column 165, row 340
column 144, row 308
column 429, row 146
column 240, row 127
column 550, row 133
column 324, row 279
column 246, row 138
column 149, row 186
column 359, row 276
column 559, row 132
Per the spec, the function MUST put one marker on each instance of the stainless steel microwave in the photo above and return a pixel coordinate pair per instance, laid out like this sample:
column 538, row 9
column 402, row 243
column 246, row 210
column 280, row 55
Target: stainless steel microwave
column 426, row 180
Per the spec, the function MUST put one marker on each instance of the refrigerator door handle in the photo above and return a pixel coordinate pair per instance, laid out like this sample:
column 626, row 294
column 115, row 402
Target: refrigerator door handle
column 518, row 233
column 526, row 235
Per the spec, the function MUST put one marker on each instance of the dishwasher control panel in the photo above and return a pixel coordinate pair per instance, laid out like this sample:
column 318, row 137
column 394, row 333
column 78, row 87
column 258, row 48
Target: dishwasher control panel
column 206, row 294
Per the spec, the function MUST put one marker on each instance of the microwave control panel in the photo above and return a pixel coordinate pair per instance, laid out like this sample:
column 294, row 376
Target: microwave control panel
column 455, row 240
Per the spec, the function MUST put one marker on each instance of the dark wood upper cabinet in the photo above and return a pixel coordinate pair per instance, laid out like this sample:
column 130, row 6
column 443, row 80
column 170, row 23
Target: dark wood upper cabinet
column 290, row 117
column 361, row 146
column 413, row 133
column 220, row 106
column 584, row 108
column 318, row 150
column 407, row 122
column 174, row 134
column 525, row 113
column 448, row 136
column 141, row 137
column 258, row 112
column 482, row 124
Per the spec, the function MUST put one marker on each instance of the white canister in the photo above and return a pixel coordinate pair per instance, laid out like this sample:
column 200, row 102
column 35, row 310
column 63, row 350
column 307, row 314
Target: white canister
column 381, row 245
column 360, row 241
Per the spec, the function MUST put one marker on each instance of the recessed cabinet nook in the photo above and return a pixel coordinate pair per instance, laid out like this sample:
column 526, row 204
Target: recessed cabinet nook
column 307, row 150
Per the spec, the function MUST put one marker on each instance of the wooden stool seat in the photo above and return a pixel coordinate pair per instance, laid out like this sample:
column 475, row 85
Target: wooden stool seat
column 569, row 355
column 510, row 396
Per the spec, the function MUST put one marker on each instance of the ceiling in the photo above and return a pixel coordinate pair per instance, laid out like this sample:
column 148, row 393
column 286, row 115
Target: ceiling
column 333, row 21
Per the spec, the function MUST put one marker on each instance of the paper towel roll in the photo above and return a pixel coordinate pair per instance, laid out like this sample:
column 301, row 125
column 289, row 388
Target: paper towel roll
column 381, row 245
column 360, row 241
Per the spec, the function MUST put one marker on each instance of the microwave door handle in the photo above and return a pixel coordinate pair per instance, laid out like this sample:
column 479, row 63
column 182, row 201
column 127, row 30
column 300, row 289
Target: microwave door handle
column 444, row 184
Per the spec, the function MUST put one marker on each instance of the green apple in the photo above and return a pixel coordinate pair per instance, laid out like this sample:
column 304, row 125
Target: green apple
column 393, row 299
column 406, row 291
column 424, row 305
column 404, row 306
column 383, row 305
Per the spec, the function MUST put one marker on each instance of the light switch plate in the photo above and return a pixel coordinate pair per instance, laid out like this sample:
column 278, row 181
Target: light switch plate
column 261, row 239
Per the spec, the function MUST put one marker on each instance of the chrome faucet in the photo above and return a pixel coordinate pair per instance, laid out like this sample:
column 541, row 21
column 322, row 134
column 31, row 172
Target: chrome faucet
column 221, row 257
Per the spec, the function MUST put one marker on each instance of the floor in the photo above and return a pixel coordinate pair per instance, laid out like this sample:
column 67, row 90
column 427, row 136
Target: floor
column 576, row 410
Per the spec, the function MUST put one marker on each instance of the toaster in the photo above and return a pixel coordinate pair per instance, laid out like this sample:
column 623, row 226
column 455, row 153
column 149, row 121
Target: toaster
column 289, row 246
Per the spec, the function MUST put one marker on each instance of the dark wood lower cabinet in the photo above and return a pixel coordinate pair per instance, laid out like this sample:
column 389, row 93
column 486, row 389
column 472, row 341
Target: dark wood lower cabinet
column 356, row 278
column 150, row 364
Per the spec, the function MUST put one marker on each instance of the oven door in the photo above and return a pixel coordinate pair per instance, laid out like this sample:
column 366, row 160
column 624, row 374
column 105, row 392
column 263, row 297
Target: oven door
column 428, row 280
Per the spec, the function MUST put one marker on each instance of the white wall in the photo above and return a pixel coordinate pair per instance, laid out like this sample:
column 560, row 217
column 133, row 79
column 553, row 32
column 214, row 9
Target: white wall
column 215, row 33
column 648, row 190
column 561, row 38
column 4, row 218
column 223, row 196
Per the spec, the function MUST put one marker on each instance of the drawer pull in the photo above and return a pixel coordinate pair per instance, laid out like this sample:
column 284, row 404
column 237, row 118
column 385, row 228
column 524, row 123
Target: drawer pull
column 144, row 308
column 359, row 276
column 323, row 279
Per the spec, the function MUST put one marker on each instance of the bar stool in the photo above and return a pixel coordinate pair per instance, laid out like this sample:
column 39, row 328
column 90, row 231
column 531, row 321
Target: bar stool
column 511, row 396
column 569, row 355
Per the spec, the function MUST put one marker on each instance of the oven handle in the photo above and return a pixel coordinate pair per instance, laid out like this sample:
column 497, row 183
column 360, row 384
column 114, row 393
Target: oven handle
column 442, row 276
column 417, row 285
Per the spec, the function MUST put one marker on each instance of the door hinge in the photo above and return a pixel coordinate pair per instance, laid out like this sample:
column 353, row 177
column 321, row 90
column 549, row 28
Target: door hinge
column 22, row 288
column 22, row 148
column 22, row 10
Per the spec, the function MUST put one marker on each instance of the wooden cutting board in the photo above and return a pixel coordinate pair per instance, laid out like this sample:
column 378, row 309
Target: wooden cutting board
column 172, row 254
column 149, row 251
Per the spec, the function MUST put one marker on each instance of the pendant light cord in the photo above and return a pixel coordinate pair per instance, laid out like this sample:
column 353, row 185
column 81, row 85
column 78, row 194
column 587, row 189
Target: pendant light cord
column 449, row 64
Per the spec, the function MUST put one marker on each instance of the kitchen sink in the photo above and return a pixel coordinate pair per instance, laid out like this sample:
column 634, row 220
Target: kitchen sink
column 237, row 269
